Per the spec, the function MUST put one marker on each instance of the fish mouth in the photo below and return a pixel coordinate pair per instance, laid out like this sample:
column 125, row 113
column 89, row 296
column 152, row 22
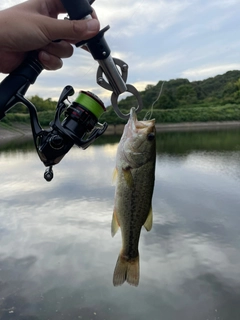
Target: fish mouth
column 146, row 125
column 133, row 114
column 133, row 129
column 133, row 118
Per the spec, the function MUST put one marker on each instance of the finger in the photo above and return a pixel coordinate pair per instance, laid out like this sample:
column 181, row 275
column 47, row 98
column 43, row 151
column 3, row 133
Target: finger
column 74, row 30
column 49, row 61
column 62, row 49
column 94, row 15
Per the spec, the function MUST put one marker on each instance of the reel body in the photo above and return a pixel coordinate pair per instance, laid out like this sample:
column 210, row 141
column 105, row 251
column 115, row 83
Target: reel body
column 80, row 127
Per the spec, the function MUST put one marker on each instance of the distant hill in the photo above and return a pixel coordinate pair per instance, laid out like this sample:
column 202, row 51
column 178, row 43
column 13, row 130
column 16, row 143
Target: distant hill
column 213, row 99
column 179, row 93
column 181, row 96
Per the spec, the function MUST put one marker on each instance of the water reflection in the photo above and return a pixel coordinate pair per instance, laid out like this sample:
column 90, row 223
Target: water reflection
column 57, row 255
column 180, row 143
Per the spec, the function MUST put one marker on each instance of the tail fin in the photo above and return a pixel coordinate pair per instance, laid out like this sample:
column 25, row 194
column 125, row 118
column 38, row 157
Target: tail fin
column 126, row 270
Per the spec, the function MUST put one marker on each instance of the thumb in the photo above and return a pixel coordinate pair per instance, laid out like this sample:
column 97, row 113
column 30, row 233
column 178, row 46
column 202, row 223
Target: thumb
column 71, row 30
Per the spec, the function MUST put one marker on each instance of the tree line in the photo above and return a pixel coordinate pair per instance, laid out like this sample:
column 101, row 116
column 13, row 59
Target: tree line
column 213, row 99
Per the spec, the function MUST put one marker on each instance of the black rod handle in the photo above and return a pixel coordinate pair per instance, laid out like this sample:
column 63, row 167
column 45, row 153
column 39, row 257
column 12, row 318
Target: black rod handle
column 77, row 9
column 18, row 82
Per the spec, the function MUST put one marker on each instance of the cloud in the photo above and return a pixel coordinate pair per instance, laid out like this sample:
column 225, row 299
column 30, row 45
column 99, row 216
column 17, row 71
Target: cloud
column 9, row 3
column 159, row 40
column 223, row 3
column 141, row 16
column 141, row 85
column 208, row 71
column 160, row 62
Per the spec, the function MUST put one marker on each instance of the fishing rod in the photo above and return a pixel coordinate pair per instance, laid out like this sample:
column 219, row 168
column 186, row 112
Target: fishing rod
column 80, row 125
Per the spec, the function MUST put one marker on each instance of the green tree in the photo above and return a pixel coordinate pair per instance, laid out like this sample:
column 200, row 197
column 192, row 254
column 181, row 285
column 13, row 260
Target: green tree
column 186, row 92
column 43, row 105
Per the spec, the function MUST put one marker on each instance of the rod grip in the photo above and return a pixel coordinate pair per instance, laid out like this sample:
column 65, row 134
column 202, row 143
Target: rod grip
column 77, row 9
column 18, row 82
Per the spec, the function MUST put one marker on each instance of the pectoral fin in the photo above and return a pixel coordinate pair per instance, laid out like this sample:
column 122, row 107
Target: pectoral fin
column 149, row 220
column 128, row 177
column 115, row 225
column 115, row 174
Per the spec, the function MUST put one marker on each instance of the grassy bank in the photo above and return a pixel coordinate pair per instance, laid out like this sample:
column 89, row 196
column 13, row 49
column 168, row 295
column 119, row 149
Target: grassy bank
column 229, row 112
column 181, row 101
column 199, row 114
column 44, row 118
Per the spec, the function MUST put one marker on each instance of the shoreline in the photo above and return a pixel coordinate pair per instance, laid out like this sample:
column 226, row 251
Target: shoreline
column 22, row 130
column 211, row 125
column 14, row 132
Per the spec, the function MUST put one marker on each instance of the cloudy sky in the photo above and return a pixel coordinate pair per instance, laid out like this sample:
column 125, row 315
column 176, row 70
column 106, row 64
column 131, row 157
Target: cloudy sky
column 159, row 39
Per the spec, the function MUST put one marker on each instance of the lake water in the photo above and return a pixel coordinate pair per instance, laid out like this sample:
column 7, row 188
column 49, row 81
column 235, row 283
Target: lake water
column 57, row 255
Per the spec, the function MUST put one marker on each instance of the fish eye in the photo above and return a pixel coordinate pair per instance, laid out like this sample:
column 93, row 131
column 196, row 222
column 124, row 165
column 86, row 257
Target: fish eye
column 151, row 136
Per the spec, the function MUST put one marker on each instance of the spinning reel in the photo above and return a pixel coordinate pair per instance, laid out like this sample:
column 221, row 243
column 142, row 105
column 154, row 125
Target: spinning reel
column 80, row 124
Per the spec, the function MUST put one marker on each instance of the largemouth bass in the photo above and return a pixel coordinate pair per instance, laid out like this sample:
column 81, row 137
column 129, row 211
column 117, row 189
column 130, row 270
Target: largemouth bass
column 135, row 173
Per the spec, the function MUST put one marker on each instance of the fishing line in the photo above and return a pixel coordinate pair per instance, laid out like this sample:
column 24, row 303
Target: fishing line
column 150, row 112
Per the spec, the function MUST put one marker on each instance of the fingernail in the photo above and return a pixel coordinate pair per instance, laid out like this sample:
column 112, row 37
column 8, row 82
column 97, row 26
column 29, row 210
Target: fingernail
column 92, row 25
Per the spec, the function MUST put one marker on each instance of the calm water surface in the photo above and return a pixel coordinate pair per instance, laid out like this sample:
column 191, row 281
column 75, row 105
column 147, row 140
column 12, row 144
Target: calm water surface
column 57, row 255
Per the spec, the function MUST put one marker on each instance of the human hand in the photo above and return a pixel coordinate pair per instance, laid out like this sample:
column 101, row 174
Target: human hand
column 33, row 25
